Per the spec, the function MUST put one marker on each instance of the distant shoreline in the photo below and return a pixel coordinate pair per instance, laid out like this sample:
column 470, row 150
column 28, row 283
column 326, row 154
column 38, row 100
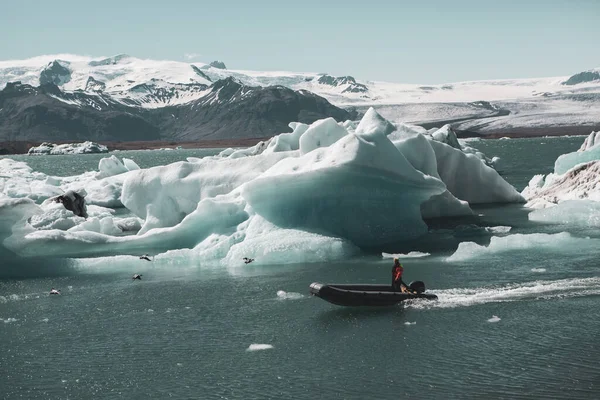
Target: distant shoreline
column 519, row 133
column 22, row 147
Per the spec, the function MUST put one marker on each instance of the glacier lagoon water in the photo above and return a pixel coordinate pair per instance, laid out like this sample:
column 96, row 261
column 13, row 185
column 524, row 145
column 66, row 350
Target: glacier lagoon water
column 517, row 319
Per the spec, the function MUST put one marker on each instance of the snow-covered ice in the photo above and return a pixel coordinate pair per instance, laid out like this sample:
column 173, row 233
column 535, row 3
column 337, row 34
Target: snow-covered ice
column 576, row 177
column 259, row 346
column 70, row 148
column 411, row 254
column 576, row 212
column 318, row 193
column 562, row 242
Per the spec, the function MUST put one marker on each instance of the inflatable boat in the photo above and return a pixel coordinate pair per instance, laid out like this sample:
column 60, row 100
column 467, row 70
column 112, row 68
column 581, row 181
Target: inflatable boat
column 367, row 294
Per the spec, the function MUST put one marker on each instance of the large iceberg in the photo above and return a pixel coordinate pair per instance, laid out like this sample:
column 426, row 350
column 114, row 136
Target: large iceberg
column 320, row 192
column 68, row 148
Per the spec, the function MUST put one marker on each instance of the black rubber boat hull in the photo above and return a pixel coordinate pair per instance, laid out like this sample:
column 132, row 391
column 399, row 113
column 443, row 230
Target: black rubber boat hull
column 364, row 295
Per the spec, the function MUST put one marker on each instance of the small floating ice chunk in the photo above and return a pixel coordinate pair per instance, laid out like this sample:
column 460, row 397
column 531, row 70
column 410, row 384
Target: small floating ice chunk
column 410, row 323
column 257, row 347
column 281, row 294
column 412, row 254
column 494, row 318
column 562, row 242
column 538, row 269
column 498, row 229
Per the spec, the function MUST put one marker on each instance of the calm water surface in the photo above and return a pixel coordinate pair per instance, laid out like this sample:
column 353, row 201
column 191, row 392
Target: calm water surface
column 516, row 324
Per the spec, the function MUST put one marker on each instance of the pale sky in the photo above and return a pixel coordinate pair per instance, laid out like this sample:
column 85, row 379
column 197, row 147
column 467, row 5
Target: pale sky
column 422, row 41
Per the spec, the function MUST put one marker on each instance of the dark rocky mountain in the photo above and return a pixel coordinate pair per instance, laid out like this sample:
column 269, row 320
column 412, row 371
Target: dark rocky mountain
column 46, row 113
column 351, row 85
column 55, row 73
column 200, row 73
column 583, row 77
column 228, row 110
column 94, row 85
column 218, row 64
column 233, row 110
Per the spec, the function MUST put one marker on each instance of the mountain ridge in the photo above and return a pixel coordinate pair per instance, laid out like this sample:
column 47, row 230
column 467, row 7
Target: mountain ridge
column 227, row 110
column 149, row 89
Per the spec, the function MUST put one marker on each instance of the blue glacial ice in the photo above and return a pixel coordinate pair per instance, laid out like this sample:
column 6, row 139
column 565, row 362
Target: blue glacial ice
column 320, row 192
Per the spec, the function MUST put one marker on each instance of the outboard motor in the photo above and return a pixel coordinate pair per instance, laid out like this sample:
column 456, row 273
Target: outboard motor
column 417, row 286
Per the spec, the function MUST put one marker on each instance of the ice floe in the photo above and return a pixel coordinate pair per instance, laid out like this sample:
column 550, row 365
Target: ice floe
column 411, row 254
column 69, row 148
column 562, row 242
column 576, row 176
column 258, row 347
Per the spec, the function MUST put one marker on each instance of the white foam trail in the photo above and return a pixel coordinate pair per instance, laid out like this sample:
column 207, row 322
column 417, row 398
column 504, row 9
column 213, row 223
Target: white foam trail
column 283, row 295
column 536, row 290
column 410, row 323
column 494, row 318
column 19, row 297
column 9, row 320
column 538, row 269
column 257, row 347
column 45, row 320
column 412, row 254
column 150, row 310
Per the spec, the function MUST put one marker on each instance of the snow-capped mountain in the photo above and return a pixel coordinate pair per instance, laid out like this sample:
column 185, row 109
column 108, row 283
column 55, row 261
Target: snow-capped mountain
column 123, row 74
column 480, row 107
column 227, row 109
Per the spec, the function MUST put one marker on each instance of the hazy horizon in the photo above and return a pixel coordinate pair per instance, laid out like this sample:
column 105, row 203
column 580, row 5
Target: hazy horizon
column 426, row 43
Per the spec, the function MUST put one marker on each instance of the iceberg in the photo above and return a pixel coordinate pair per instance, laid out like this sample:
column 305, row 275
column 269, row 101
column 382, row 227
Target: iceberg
column 321, row 192
column 576, row 212
column 559, row 242
column 69, row 148
column 575, row 177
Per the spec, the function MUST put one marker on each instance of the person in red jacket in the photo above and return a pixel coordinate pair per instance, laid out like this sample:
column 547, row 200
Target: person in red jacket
column 397, row 282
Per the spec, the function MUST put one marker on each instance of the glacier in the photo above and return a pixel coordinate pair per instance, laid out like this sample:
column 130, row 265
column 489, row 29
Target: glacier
column 320, row 192
column 519, row 105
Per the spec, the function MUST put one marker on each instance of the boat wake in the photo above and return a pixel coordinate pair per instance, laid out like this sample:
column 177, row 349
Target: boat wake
column 535, row 290
column 283, row 295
